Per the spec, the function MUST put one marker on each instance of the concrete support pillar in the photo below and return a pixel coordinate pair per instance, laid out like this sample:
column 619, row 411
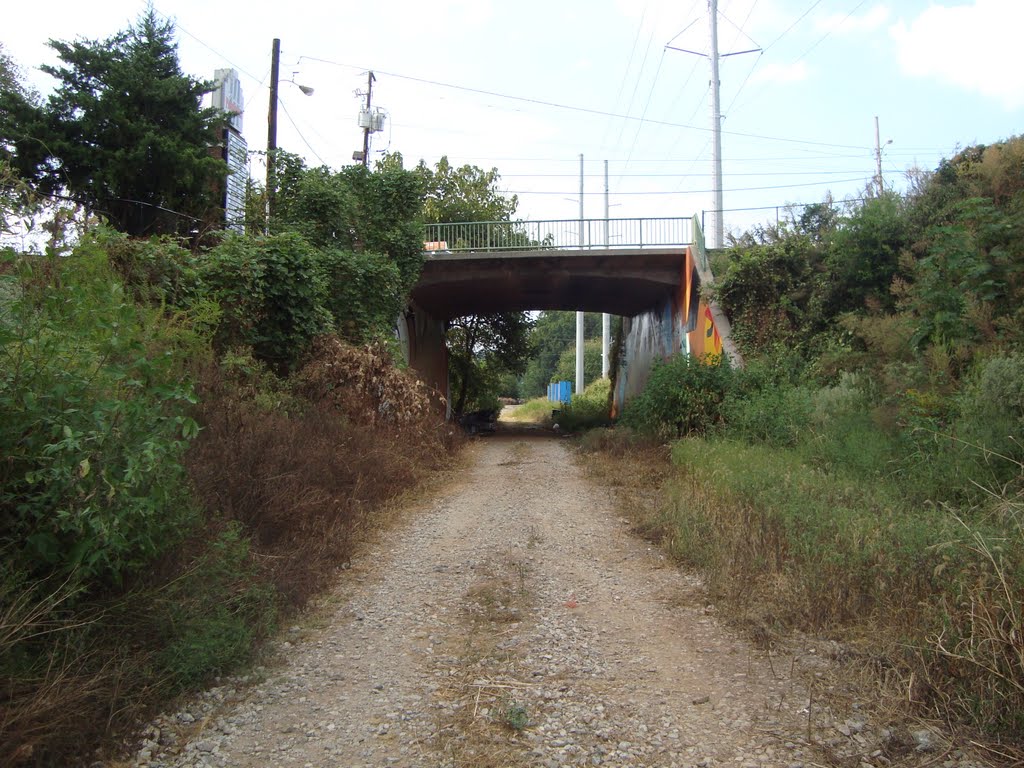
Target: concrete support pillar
column 427, row 352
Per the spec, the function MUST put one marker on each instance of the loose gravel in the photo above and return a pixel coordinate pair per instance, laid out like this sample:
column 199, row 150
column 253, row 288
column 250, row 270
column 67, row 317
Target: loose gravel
column 517, row 622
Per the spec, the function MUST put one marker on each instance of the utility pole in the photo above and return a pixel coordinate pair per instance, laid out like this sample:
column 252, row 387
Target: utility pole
column 366, row 131
column 275, row 66
column 606, row 319
column 717, row 231
column 878, row 160
column 580, row 316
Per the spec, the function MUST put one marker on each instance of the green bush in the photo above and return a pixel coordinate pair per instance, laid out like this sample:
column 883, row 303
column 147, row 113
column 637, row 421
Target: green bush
column 364, row 293
column 589, row 409
column 96, row 403
column 992, row 408
column 765, row 405
column 683, row 396
column 272, row 292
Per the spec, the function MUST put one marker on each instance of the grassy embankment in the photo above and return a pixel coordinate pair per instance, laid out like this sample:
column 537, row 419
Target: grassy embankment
column 827, row 511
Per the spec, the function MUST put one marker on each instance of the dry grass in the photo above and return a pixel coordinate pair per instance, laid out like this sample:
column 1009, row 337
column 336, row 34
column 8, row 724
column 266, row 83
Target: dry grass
column 305, row 484
column 536, row 411
column 480, row 728
column 965, row 677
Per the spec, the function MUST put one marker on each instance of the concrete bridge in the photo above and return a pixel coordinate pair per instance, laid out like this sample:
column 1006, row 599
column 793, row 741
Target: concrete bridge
column 647, row 270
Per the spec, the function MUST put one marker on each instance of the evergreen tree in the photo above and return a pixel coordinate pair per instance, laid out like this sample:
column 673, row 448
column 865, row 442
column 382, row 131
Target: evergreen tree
column 124, row 134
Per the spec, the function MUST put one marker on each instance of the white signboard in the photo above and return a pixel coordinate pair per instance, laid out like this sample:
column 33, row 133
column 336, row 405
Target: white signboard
column 237, row 157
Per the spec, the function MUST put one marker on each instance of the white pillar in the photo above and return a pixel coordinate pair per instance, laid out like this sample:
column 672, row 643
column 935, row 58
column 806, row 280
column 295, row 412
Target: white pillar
column 717, row 229
column 580, row 318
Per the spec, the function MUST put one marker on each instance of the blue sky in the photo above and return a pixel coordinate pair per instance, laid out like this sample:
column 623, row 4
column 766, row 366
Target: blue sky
column 527, row 86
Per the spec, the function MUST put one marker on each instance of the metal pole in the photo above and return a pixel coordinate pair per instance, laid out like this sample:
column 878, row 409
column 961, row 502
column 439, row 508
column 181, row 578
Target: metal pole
column 580, row 317
column 717, row 231
column 606, row 319
column 275, row 66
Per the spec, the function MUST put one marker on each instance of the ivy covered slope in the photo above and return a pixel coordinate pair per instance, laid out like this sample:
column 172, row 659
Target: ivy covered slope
column 864, row 474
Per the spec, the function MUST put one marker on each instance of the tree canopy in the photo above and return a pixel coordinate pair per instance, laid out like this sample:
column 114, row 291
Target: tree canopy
column 124, row 134
column 482, row 349
column 467, row 193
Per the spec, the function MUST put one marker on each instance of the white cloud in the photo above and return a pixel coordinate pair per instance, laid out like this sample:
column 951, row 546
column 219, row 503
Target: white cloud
column 780, row 73
column 867, row 22
column 973, row 46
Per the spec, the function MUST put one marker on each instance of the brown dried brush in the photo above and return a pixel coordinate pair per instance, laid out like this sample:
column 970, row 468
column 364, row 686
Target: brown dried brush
column 364, row 384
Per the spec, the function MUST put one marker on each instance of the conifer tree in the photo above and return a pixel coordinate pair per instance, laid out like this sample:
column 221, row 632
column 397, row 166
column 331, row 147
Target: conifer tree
column 124, row 133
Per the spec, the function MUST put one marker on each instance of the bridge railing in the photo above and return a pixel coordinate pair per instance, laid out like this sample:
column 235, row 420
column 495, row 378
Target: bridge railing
column 564, row 234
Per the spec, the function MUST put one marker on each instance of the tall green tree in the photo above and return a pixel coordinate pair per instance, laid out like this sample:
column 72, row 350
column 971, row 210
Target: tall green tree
column 553, row 334
column 367, row 230
column 124, row 133
column 481, row 348
column 17, row 199
column 467, row 193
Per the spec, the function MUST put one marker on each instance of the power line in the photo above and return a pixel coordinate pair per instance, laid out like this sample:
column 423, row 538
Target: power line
column 583, row 110
column 682, row 175
column 647, row 104
column 829, row 32
column 625, row 75
column 308, row 145
column 208, row 47
column 790, row 27
column 690, row 191
column 639, row 75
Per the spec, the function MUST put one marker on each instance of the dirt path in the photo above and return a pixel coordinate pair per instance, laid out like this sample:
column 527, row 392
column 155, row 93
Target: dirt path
column 516, row 622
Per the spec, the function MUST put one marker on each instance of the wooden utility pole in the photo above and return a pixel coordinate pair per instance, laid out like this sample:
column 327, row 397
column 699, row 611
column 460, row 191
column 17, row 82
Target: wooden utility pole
column 275, row 67
column 878, row 160
column 366, row 130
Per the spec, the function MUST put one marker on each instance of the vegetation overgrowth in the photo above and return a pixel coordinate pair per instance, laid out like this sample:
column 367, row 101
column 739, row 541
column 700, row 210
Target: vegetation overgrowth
column 176, row 476
column 196, row 428
column 863, row 475
column 589, row 409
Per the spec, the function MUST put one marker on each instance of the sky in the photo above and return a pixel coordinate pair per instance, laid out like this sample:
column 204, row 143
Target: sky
column 526, row 87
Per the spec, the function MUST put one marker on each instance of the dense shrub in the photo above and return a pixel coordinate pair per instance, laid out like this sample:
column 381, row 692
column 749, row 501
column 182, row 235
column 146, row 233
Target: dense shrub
column 589, row 409
column 683, row 396
column 96, row 420
column 364, row 293
column 272, row 293
column 992, row 408
column 766, row 403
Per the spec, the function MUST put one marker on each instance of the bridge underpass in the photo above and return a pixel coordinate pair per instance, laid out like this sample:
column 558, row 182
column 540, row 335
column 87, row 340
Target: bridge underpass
column 649, row 271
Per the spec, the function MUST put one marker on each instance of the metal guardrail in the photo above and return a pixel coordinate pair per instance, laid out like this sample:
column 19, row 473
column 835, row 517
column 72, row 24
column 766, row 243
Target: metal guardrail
column 563, row 234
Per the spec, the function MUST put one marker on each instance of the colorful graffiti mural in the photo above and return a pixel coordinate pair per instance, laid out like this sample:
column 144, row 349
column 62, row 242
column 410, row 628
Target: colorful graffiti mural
column 684, row 323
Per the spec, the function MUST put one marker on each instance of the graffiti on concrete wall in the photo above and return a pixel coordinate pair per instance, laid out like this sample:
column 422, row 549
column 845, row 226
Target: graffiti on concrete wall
column 682, row 323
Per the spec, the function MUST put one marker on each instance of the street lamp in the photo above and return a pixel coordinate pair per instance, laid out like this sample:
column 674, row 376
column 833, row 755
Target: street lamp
column 275, row 66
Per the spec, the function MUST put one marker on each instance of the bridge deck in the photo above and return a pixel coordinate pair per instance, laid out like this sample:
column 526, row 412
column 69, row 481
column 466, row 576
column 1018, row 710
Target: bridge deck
column 621, row 281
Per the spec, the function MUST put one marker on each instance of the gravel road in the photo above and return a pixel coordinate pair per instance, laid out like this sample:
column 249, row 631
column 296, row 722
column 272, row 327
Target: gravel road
column 514, row 621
